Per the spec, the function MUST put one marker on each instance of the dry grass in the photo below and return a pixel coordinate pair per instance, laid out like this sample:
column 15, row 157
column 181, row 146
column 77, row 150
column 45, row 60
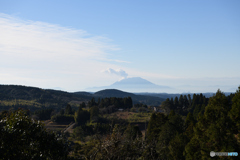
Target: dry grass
column 124, row 115
column 52, row 126
column 130, row 116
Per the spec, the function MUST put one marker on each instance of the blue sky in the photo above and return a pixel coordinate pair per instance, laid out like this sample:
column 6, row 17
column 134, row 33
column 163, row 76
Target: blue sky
column 192, row 46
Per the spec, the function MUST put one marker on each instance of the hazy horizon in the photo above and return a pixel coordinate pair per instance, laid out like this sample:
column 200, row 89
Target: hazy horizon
column 191, row 46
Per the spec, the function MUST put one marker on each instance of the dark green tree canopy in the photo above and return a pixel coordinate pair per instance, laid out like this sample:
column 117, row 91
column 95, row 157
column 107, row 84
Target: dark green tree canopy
column 22, row 138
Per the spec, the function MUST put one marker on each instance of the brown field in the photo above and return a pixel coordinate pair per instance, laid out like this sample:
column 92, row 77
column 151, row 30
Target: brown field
column 52, row 126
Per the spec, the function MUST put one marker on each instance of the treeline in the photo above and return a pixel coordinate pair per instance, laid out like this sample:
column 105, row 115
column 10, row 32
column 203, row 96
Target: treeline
column 85, row 113
column 123, row 103
column 185, row 104
column 216, row 128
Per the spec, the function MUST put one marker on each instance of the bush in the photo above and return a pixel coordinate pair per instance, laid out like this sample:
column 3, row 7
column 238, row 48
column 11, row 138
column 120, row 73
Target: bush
column 63, row 118
column 22, row 138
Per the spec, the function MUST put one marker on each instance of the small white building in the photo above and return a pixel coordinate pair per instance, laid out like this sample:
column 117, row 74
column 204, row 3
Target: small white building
column 120, row 109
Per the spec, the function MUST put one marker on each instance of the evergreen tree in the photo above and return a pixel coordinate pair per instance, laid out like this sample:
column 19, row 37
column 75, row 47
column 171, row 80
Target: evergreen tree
column 213, row 130
column 81, row 116
column 94, row 114
column 235, row 111
column 176, row 102
column 189, row 100
column 166, row 105
column 181, row 101
column 128, row 102
column 189, row 125
column 176, row 147
column 185, row 102
column 62, row 112
column 132, row 132
column 154, row 125
column 68, row 110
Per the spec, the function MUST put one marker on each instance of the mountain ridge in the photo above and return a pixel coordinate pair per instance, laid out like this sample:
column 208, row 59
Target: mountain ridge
column 134, row 84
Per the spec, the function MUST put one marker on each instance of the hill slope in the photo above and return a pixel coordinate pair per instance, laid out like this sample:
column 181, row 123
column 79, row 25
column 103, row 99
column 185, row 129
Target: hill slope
column 149, row 100
column 31, row 97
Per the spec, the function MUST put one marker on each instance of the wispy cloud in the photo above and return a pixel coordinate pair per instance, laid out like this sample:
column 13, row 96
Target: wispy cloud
column 38, row 51
column 115, row 60
column 48, row 40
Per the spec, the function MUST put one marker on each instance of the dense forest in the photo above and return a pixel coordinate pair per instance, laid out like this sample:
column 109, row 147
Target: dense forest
column 189, row 128
column 215, row 127
column 32, row 98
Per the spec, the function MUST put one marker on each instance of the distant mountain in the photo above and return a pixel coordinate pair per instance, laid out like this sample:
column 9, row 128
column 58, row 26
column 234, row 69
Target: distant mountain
column 134, row 84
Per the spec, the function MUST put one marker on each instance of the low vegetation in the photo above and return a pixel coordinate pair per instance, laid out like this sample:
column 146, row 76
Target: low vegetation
column 113, row 128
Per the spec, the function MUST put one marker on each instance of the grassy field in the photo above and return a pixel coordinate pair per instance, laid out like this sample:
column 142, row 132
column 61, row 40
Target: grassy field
column 130, row 116
column 140, row 117
column 20, row 102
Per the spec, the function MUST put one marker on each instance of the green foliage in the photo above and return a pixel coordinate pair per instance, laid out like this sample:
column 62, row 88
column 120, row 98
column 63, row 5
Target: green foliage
column 142, row 109
column 155, row 124
column 94, row 114
column 189, row 124
column 235, row 111
column 62, row 118
column 176, row 147
column 81, row 132
column 112, row 146
column 185, row 104
column 132, row 132
column 22, row 138
column 170, row 129
column 139, row 117
column 78, row 133
column 44, row 114
column 92, row 103
column 81, row 116
column 68, row 110
column 213, row 130
column 123, row 103
column 13, row 96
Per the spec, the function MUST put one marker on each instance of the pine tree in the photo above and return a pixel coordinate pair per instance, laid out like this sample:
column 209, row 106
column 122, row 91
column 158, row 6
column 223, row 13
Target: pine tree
column 68, row 110
column 235, row 111
column 213, row 130
column 176, row 102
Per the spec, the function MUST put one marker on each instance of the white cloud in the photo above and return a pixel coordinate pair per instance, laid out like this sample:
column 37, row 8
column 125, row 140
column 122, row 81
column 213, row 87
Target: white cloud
column 118, row 72
column 45, row 55
column 43, row 40
column 48, row 55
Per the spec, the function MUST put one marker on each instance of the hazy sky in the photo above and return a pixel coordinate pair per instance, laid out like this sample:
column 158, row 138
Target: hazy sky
column 193, row 46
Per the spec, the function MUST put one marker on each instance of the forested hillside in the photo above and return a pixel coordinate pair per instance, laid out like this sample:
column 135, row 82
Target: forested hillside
column 215, row 127
column 190, row 128
column 149, row 100
column 13, row 96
